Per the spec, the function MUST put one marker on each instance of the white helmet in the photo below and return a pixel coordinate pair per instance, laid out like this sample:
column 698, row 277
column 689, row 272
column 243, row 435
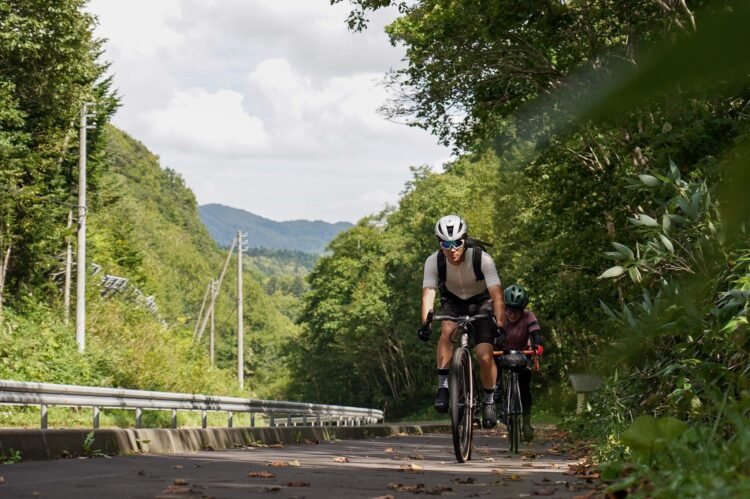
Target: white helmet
column 451, row 228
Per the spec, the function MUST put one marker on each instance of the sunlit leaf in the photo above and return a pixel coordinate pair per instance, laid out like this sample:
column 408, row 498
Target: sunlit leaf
column 666, row 222
column 626, row 252
column 649, row 180
column 667, row 243
column 615, row 271
column 634, row 274
column 647, row 220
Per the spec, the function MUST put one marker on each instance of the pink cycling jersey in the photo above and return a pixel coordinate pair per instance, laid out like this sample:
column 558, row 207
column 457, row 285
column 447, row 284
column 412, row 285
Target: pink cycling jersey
column 517, row 333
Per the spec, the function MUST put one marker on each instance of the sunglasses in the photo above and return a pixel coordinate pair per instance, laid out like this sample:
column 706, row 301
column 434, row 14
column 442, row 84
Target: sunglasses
column 447, row 245
column 513, row 310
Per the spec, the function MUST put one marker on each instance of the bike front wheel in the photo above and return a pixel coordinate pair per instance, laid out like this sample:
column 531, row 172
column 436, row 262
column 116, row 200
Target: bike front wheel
column 514, row 414
column 461, row 387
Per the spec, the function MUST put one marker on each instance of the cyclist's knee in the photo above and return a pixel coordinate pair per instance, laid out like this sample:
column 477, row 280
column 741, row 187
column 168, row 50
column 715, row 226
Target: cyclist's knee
column 484, row 355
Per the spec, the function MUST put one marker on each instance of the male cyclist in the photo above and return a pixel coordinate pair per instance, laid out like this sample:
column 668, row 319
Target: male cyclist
column 466, row 277
column 521, row 331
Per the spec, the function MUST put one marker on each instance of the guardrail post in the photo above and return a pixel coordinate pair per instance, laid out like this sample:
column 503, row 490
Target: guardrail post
column 289, row 420
column 317, row 420
column 96, row 417
column 204, row 419
column 252, row 420
column 272, row 421
column 173, row 423
column 304, row 419
column 44, row 416
column 138, row 417
column 230, row 418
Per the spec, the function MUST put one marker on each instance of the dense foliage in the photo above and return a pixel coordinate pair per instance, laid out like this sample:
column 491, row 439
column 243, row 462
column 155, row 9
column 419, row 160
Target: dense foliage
column 610, row 190
column 144, row 233
column 50, row 69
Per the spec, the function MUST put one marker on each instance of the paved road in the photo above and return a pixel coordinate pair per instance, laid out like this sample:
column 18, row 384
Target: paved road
column 395, row 467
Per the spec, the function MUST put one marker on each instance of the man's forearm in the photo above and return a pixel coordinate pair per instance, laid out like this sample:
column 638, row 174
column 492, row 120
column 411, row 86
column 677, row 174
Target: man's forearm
column 428, row 301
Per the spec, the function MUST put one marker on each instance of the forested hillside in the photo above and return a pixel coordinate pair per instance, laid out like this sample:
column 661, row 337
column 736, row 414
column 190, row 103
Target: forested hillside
column 143, row 229
column 603, row 150
column 307, row 236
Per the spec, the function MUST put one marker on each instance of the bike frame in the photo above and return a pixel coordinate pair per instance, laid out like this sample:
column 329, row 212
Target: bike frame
column 512, row 405
column 464, row 402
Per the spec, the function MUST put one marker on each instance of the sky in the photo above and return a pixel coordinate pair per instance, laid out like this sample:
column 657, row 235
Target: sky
column 269, row 106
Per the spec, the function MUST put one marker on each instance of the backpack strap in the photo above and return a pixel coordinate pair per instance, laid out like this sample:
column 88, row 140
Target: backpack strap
column 477, row 261
column 442, row 271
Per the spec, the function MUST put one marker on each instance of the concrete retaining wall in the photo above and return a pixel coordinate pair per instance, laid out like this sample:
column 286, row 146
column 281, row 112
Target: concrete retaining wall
column 54, row 444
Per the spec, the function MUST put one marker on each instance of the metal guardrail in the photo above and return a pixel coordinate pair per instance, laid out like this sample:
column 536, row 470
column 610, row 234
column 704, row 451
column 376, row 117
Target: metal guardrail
column 276, row 412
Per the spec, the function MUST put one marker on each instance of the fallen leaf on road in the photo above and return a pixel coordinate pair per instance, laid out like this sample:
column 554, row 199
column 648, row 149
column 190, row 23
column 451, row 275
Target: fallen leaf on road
column 389, row 450
column 498, row 472
column 464, row 481
column 273, row 489
column 340, row 459
column 297, row 484
column 414, row 468
column 278, row 464
column 140, row 472
column 180, row 481
column 385, row 497
column 311, row 442
column 2, row 480
column 276, row 446
column 528, row 465
column 543, row 492
column 515, row 478
column 417, row 457
column 174, row 490
column 261, row 474
column 489, row 459
column 294, row 462
column 177, row 467
column 419, row 489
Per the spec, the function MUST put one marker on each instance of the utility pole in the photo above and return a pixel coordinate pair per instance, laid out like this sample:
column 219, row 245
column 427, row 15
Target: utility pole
column 81, row 267
column 240, row 333
column 68, row 269
column 212, row 341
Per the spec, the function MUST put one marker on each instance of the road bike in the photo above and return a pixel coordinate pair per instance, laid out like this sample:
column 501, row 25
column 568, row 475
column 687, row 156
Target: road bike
column 507, row 392
column 462, row 385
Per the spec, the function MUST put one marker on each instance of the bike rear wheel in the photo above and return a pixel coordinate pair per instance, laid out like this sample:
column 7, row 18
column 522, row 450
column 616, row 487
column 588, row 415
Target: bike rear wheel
column 461, row 386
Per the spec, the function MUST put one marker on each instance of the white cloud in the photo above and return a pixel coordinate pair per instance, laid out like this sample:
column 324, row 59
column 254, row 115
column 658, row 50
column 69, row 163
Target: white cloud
column 215, row 124
column 138, row 28
column 270, row 97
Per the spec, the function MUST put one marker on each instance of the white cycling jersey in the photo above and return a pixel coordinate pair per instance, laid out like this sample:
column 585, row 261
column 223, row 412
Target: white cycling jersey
column 460, row 279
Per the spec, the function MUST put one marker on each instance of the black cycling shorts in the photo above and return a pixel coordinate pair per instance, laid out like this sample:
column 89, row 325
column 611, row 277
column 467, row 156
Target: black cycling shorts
column 484, row 329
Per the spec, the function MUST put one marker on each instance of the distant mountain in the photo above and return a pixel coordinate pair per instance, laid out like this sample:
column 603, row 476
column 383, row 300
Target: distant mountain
column 295, row 235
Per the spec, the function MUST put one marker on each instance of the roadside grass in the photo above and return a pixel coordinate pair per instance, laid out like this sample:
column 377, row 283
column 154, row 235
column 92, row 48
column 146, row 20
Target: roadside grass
column 82, row 418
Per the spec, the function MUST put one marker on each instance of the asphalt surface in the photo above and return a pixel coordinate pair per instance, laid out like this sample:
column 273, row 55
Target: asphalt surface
column 386, row 467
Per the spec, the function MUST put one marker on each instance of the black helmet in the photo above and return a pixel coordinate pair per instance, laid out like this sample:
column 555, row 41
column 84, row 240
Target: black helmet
column 516, row 296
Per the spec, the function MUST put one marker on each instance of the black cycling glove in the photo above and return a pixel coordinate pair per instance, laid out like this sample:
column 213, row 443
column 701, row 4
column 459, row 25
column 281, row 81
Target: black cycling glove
column 500, row 337
column 424, row 332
